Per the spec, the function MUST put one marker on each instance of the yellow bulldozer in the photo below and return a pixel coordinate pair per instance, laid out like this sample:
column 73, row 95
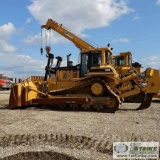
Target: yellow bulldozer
column 122, row 62
column 124, row 65
column 93, row 83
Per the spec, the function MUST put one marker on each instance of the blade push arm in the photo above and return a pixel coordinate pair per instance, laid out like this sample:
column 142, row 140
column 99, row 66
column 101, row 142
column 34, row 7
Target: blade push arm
column 79, row 43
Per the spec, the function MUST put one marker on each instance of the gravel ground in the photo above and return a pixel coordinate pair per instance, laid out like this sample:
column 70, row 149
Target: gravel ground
column 56, row 134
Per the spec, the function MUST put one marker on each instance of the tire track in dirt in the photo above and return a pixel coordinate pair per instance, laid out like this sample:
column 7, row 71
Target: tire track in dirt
column 104, row 145
column 61, row 140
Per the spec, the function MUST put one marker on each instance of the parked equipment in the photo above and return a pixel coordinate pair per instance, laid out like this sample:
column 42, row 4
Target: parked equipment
column 93, row 83
column 123, row 64
column 5, row 82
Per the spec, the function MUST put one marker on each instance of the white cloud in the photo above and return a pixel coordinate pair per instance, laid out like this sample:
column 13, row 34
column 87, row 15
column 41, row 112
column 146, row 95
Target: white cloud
column 85, row 14
column 136, row 17
column 7, row 30
column 122, row 40
column 10, row 62
column 6, row 47
column 32, row 39
column 152, row 61
column 158, row 2
column 46, row 37
column 28, row 20
column 21, row 66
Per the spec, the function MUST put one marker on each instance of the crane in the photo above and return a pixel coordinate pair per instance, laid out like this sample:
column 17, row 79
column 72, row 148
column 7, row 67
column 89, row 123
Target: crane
column 78, row 42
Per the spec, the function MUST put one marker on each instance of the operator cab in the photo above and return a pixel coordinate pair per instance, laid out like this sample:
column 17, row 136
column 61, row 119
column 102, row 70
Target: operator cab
column 95, row 60
column 124, row 59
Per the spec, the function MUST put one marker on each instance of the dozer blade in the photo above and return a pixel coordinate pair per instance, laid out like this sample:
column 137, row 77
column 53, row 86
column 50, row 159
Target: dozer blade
column 146, row 102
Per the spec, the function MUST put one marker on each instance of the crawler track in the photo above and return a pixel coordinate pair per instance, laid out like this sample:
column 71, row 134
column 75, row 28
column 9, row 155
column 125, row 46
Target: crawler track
column 110, row 104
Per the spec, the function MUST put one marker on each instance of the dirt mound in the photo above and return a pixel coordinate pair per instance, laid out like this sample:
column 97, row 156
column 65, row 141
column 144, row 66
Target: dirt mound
column 46, row 155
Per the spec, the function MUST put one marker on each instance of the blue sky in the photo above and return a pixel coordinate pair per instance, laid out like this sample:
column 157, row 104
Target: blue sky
column 128, row 25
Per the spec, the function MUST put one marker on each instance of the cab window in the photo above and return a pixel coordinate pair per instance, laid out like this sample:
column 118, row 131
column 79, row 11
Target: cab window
column 96, row 58
column 120, row 61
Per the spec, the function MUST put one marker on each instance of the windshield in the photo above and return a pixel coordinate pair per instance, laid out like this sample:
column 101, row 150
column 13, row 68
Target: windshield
column 120, row 61
column 96, row 58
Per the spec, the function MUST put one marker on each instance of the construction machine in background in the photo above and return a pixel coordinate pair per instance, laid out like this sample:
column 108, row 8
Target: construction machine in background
column 124, row 65
column 93, row 83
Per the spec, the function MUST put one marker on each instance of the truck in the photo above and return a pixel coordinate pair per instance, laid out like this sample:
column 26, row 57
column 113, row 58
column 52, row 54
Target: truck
column 5, row 82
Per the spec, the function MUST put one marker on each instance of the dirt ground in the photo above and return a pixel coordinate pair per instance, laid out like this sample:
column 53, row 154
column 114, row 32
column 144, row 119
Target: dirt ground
column 36, row 133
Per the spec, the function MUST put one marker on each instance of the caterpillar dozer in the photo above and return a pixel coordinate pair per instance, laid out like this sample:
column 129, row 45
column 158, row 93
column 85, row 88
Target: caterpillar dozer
column 123, row 64
column 93, row 83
